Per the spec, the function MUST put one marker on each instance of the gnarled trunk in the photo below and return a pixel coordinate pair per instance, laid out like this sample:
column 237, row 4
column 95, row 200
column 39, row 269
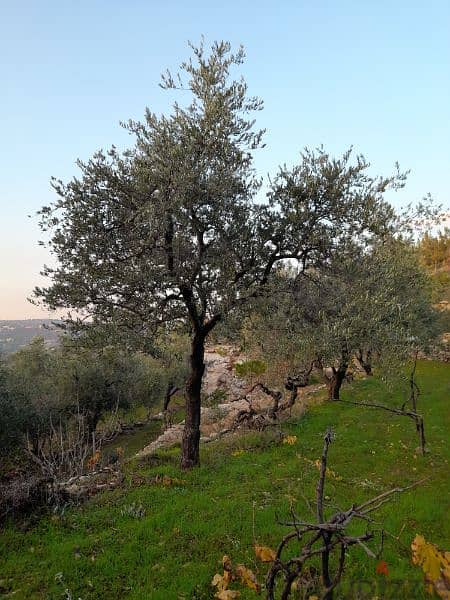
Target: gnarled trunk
column 334, row 383
column 190, row 445
column 365, row 360
column 292, row 384
column 171, row 390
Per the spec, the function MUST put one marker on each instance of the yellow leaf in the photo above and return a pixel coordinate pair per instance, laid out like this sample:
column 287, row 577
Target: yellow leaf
column 221, row 582
column 226, row 562
column 329, row 472
column 427, row 556
column 265, row 554
column 435, row 564
column 247, row 578
column 416, row 545
column 290, row 440
column 227, row 595
column 217, row 581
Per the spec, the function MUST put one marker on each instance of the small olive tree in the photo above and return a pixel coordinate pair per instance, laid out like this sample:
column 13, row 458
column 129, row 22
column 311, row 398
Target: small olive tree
column 169, row 234
column 377, row 306
column 33, row 384
column 370, row 306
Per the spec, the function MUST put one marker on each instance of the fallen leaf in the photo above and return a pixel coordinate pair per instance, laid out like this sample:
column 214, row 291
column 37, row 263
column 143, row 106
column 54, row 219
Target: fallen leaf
column 435, row 564
column 221, row 582
column 217, row 580
column 227, row 595
column 382, row 568
column 290, row 440
column 427, row 556
column 265, row 554
column 248, row 578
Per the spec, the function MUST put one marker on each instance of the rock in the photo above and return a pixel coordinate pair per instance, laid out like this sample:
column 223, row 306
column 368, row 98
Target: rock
column 221, row 419
column 220, row 374
column 213, row 421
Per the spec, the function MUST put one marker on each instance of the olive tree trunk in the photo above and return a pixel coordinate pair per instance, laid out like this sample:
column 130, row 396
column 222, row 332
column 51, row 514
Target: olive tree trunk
column 190, row 446
column 334, row 382
column 365, row 361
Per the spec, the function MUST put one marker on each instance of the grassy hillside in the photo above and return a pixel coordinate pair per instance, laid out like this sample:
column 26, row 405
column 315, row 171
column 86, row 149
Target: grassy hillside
column 172, row 552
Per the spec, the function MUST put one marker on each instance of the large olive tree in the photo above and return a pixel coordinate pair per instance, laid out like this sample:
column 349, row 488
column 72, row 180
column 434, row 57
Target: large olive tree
column 169, row 234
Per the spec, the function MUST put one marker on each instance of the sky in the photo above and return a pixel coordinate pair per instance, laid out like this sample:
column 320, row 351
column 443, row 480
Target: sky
column 372, row 74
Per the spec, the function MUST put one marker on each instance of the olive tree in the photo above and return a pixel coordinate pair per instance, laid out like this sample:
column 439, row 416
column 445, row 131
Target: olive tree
column 169, row 235
column 377, row 307
column 365, row 306
column 32, row 380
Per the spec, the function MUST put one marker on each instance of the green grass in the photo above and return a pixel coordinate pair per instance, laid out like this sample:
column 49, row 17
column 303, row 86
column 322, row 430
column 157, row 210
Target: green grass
column 250, row 367
column 142, row 436
column 175, row 549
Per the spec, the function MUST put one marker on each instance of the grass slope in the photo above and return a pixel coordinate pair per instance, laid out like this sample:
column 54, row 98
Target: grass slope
column 94, row 552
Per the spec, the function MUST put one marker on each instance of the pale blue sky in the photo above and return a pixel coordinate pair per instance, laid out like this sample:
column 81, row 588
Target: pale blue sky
column 369, row 73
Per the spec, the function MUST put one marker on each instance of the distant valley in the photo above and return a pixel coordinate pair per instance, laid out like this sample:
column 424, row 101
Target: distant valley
column 18, row 333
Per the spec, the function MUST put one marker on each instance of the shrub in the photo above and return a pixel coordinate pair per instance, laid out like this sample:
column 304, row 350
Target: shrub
column 250, row 367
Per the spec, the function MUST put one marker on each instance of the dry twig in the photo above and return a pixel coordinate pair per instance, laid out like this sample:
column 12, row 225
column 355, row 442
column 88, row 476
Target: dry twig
column 324, row 538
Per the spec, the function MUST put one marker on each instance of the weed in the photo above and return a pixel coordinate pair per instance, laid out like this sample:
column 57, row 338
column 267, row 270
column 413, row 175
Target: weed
column 135, row 510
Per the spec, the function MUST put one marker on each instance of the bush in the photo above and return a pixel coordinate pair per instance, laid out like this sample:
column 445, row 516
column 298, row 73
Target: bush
column 11, row 421
column 218, row 396
column 250, row 367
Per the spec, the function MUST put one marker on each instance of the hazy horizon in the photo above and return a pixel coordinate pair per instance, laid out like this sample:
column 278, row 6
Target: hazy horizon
column 372, row 75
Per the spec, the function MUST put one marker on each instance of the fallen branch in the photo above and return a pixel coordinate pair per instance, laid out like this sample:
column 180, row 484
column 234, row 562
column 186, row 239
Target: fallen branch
column 81, row 486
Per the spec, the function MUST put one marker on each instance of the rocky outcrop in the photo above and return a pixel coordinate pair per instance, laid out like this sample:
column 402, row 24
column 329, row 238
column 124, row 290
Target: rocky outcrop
column 220, row 373
column 220, row 418
column 214, row 421
column 240, row 407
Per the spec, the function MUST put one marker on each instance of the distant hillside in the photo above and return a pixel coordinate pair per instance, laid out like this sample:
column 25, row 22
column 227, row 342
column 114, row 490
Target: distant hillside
column 16, row 334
